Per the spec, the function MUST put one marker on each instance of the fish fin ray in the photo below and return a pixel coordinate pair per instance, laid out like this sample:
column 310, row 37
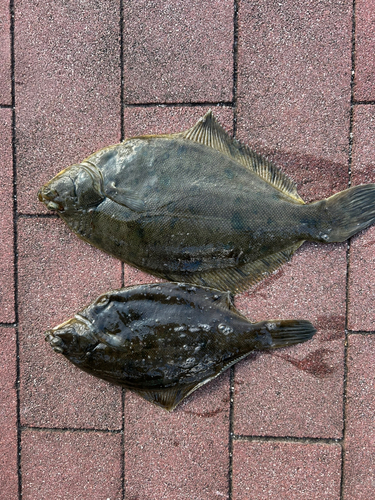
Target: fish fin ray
column 237, row 279
column 209, row 132
column 167, row 398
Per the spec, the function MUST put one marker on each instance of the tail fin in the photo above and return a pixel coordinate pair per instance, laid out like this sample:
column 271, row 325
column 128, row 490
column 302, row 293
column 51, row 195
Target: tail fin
column 348, row 212
column 289, row 332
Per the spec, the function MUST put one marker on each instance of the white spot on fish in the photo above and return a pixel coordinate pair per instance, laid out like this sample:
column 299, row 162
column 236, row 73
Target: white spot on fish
column 225, row 329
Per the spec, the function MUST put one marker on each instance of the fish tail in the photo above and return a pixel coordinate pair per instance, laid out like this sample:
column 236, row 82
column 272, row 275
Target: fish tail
column 347, row 213
column 288, row 332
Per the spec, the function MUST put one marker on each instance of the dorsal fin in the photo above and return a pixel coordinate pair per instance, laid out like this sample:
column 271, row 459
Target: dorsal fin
column 209, row 132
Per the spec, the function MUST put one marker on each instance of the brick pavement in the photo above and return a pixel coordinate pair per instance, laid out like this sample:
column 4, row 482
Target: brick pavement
column 289, row 80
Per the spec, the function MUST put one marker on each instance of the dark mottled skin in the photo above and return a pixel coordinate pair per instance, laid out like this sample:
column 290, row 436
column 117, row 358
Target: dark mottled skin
column 165, row 340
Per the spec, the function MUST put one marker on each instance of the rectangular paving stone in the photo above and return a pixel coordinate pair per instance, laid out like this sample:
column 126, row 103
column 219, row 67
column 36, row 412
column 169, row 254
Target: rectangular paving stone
column 5, row 66
column 294, row 88
column 178, row 52
column 361, row 307
column 296, row 391
column 182, row 454
column 68, row 83
column 71, row 465
column 364, row 79
column 59, row 275
column 6, row 219
column 359, row 467
column 8, row 415
column 278, row 470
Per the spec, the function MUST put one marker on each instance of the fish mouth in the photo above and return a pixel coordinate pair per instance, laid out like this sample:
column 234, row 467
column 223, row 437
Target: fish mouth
column 48, row 197
column 56, row 342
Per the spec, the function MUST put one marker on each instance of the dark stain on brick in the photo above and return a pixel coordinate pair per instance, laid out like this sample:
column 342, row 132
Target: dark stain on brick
column 315, row 363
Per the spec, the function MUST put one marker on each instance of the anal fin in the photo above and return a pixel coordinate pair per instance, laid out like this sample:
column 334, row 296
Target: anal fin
column 167, row 398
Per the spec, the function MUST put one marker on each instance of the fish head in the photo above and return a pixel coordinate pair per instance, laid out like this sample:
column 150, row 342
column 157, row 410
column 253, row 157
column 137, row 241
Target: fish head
column 78, row 187
column 74, row 339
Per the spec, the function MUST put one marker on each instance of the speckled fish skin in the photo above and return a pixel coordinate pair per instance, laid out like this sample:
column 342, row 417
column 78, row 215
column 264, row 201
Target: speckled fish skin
column 198, row 207
column 163, row 341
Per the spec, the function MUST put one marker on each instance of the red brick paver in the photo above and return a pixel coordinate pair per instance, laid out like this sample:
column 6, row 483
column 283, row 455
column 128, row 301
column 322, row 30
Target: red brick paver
column 8, row 415
column 183, row 454
column 71, row 465
column 6, row 219
column 178, row 51
column 359, row 467
column 364, row 89
column 293, row 471
column 5, row 65
column 361, row 306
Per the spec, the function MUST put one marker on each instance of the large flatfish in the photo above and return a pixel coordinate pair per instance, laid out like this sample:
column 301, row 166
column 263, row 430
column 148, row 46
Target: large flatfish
column 163, row 341
column 198, row 207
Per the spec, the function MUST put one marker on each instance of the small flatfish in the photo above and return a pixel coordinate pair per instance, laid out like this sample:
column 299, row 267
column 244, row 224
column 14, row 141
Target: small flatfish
column 163, row 341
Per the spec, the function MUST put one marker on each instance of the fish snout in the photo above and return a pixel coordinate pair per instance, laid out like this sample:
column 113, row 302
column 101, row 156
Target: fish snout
column 48, row 196
column 59, row 341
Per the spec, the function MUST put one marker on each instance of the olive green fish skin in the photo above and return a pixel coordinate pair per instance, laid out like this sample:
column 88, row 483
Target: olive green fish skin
column 165, row 340
column 180, row 210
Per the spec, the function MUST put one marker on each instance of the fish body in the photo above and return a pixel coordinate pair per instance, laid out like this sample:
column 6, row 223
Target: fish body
column 198, row 207
column 163, row 341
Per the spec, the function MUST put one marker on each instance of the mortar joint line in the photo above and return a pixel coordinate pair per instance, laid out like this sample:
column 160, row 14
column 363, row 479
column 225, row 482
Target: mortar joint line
column 232, row 370
column 220, row 104
column 68, row 429
column 288, row 439
column 15, row 241
column 122, row 123
column 350, row 163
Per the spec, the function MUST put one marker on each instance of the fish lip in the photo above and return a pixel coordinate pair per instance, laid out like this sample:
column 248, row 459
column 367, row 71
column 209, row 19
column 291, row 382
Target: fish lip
column 48, row 201
column 55, row 342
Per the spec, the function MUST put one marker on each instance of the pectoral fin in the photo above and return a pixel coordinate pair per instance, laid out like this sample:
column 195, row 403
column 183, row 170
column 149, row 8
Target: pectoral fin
column 125, row 197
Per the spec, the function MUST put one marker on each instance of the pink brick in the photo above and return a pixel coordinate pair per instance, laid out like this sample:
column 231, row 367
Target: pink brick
column 67, row 67
column 359, row 468
column 363, row 155
column 58, row 276
column 296, row 391
column 70, row 465
column 178, row 455
column 8, row 415
column 6, row 219
column 5, row 66
column 364, row 80
column 294, row 88
column 159, row 120
column 361, row 297
column 361, row 307
column 178, row 52
column 294, row 471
